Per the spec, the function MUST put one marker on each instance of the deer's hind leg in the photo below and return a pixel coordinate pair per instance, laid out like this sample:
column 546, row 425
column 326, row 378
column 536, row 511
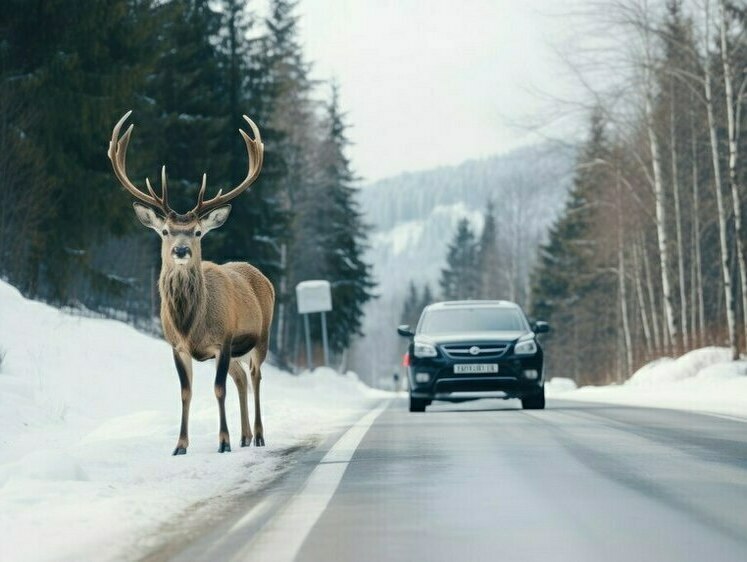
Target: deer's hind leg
column 239, row 377
column 257, row 357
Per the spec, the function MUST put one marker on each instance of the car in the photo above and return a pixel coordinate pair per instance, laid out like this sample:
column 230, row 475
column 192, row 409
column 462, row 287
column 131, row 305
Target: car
column 465, row 350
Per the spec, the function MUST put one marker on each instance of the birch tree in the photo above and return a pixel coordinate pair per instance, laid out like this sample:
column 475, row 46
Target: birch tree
column 733, row 105
column 717, row 185
column 658, row 184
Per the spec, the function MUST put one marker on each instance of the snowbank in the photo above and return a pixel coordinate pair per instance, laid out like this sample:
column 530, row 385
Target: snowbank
column 559, row 384
column 89, row 414
column 703, row 380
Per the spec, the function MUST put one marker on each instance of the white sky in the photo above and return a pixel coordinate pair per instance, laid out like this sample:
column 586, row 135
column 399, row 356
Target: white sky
column 434, row 82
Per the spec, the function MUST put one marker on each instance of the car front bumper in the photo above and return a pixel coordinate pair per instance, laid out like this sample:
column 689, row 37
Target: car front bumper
column 515, row 378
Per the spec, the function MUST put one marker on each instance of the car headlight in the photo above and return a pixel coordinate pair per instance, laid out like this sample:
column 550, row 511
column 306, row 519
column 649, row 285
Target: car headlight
column 424, row 350
column 526, row 347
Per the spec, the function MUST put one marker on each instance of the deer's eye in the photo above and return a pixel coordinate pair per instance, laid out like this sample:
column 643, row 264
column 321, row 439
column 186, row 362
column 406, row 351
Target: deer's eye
column 198, row 233
column 165, row 232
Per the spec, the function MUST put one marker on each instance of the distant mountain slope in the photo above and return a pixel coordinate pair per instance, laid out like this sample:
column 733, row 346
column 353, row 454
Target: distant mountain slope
column 410, row 196
column 414, row 215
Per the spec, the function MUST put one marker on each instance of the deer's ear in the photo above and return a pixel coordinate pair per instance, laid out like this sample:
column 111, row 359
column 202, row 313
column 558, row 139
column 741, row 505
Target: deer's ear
column 149, row 217
column 215, row 218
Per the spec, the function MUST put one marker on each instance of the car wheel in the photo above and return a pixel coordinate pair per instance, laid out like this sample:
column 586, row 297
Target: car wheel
column 417, row 405
column 535, row 401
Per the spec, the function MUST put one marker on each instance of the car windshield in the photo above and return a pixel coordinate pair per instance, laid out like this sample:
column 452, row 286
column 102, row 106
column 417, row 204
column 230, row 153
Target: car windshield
column 482, row 319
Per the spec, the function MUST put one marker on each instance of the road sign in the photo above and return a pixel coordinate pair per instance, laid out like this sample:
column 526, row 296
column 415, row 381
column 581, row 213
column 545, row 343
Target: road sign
column 313, row 296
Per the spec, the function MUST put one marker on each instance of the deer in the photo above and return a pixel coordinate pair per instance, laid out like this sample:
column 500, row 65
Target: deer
column 208, row 311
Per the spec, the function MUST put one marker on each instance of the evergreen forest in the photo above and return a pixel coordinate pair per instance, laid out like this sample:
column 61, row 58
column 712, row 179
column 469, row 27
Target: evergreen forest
column 188, row 69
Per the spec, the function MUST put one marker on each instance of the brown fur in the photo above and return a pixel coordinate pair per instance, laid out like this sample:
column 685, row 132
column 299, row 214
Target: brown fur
column 204, row 305
column 208, row 311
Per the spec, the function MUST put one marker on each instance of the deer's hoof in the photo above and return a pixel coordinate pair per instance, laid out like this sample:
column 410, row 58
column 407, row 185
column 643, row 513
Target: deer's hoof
column 259, row 441
column 179, row 451
column 246, row 441
column 224, row 448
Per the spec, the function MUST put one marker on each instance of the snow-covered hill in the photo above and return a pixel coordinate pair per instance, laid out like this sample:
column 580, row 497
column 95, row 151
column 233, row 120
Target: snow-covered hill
column 414, row 216
column 89, row 414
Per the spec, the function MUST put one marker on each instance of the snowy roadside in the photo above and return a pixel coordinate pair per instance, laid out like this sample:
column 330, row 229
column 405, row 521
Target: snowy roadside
column 703, row 380
column 89, row 414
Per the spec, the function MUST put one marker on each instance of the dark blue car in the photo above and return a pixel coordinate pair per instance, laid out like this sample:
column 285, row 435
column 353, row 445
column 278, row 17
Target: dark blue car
column 464, row 350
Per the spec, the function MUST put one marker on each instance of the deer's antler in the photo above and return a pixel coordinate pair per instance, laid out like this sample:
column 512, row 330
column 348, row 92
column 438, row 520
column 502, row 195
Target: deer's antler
column 118, row 155
column 255, row 150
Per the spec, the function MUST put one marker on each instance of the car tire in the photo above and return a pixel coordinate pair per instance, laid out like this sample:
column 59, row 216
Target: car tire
column 417, row 404
column 534, row 401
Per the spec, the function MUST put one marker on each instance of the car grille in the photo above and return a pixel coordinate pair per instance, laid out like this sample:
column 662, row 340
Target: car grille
column 485, row 350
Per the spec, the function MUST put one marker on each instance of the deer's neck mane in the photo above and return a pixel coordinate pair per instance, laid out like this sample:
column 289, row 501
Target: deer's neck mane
column 183, row 295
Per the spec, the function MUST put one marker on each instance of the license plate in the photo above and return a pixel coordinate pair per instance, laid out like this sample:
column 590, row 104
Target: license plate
column 477, row 368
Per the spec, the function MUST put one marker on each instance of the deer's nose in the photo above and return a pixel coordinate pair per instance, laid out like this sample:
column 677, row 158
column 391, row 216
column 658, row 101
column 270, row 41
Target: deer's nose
column 181, row 251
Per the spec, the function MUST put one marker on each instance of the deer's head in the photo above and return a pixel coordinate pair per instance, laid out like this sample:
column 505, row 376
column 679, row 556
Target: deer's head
column 182, row 234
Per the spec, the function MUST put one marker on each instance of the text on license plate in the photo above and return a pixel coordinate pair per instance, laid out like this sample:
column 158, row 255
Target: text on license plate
column 477, row 368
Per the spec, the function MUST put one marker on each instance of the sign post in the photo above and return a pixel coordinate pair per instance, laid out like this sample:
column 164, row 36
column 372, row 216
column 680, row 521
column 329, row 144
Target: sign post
column 308, row 340
column 314, row 296
column 325, row 345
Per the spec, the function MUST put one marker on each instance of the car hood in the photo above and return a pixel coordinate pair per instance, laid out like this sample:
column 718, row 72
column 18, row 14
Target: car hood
column 471, row 337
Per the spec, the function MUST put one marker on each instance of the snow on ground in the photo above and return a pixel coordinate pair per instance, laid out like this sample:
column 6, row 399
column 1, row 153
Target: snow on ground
column 704, row 380
column 89, row 415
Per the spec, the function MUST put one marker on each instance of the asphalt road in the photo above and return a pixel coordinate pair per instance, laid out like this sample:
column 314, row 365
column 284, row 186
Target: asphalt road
column 483, row 481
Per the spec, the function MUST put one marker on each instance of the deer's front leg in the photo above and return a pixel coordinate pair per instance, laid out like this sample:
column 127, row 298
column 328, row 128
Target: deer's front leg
column 224, row 360
column 183, row 363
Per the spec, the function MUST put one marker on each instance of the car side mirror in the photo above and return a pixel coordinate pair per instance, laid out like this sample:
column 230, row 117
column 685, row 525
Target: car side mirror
column 405, row 331
column 541, row 327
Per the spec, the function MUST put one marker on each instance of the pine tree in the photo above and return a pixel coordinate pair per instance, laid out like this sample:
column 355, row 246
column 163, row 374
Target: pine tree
column 461, row 277
column 411, row 306
column 426, row 299
column 23, row 190
column 489, row 261
column 279, row 80
column 341, row 231
column 79, row 64
column 190, row 99
column 570, row 285
column 258, row 220
column 415, row 302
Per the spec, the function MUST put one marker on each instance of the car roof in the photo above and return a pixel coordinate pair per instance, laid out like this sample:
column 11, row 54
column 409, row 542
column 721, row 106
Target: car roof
column 471, row 304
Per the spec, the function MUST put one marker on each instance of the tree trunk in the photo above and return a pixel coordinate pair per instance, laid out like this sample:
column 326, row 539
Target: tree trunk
column 733, row 155
column 678, row 223
column 697, row 281
column 661, row 218
column 651, row 298
column 642, row 304
column 722, row 219
column 621, row 284
column 280, row 334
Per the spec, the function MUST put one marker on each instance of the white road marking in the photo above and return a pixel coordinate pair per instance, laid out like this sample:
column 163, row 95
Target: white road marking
column 252, row 515
column 281, row 539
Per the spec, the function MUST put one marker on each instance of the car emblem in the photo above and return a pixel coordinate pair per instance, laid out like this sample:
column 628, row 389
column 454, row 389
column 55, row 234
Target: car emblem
column 474, row 350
